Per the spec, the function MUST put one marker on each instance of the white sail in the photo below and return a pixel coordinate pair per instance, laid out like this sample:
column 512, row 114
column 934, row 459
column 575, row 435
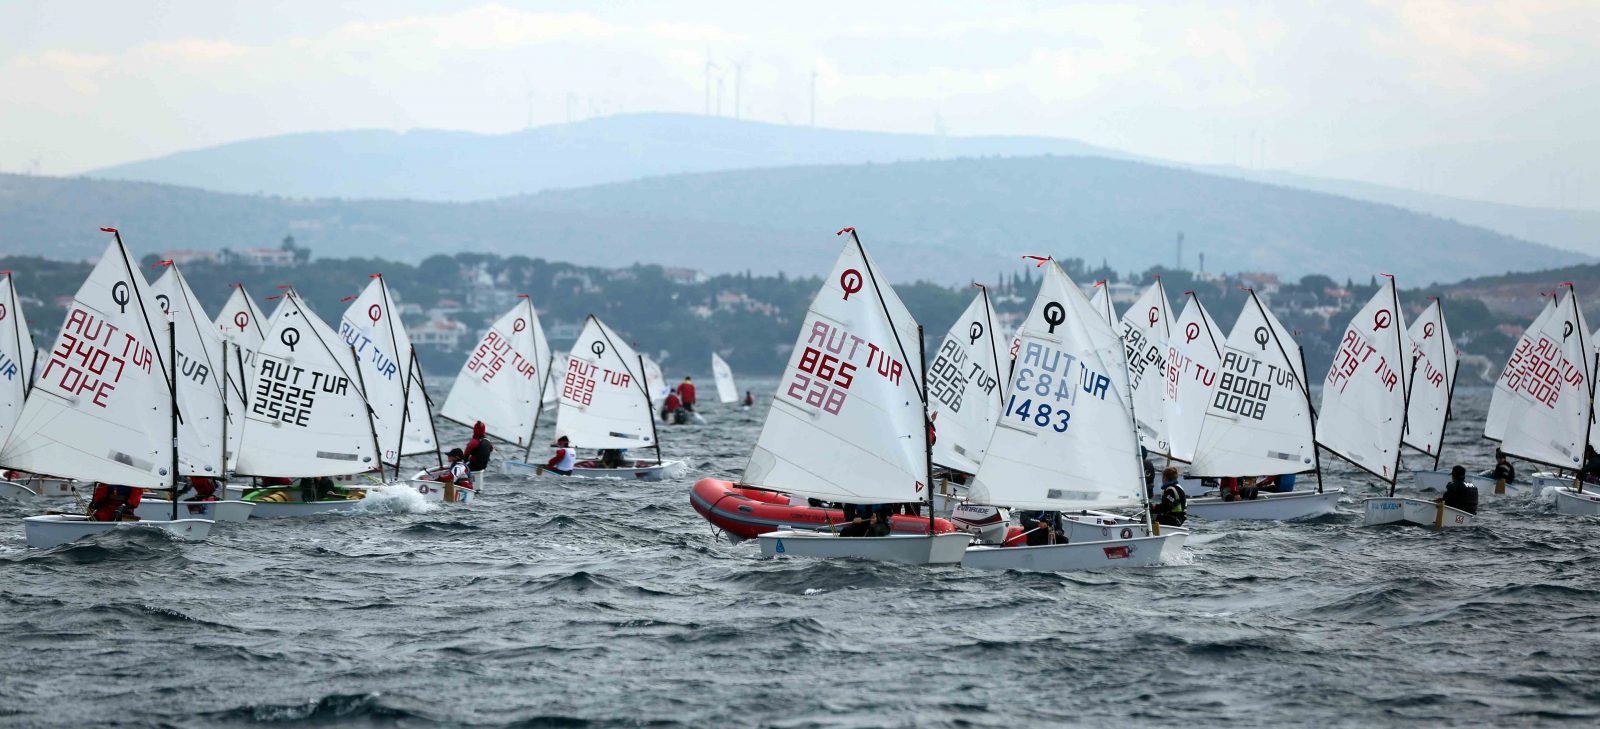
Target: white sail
column 847, row 422
column 1434, row 352
column 1145, row 328
column 1548, row 417
column 966, row 387
column 1102, row 302
column 1494, row 426
column 100, row 408
column 307, row 414
column 1194, row 360
column 1363, row 413
column 243, row 326
column 1258, row 422
column 603, row 400
column 1066, row 437
column 655, row 383
column 372, row 326
column 501, row 381
column 17, row 355
column 200, row 367
column 720, row 371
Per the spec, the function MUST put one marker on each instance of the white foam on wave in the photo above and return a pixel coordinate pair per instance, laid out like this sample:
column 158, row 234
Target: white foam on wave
column 395, row 498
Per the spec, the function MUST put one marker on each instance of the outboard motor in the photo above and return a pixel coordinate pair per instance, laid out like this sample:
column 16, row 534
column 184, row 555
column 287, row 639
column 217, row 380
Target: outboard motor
column 987, row 523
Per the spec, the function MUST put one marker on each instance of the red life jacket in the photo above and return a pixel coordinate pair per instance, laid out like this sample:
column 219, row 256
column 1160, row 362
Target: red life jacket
column 112, row 502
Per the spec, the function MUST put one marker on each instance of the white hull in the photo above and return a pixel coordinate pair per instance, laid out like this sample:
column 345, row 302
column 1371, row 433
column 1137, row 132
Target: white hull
column 653, row 472
column 1099, row 526
column 1073, row 557
column 1267, row 507
column 1422, row 512
column 24, row 488
column 1572, row 503
column 288, row 509
column 908, row 549
column 157, row 509
column 52, row 530
column 433, row 491
column 1436, row 481
column 13, row 490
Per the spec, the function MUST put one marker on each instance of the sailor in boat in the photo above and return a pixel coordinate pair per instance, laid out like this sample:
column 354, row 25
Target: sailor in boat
column 456, row 475
column 1172, row 509
column 686, row 394
column 672, row 410
column 321, row 488
column 613, row 457
column 1590, row 473
column 1503, row 473
column 749, row 399
column 478, row 452
column 1277, row 484
column 114, row 503
column 865, row 521
column 202, row 488
column 1043, row 527
column 1460, row 493
column 565, row 458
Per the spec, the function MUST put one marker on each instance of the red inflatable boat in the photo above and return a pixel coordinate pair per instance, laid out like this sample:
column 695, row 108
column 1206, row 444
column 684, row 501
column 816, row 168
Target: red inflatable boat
column 746, row 513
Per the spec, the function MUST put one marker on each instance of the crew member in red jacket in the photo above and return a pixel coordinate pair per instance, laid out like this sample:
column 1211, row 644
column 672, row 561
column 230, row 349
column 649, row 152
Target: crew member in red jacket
column 565, row 458
column 114, row 503
column 670, row 407
column 686, row 394
column 478, row 451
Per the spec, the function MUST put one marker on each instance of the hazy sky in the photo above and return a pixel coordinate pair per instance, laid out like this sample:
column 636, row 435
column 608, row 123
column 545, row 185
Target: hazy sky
column 1450, row 96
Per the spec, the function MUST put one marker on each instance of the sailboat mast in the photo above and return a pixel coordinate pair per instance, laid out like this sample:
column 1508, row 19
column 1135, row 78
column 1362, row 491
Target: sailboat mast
column 999, row 392
column 927, row 429
column 1588, row 429
column 1405, row 395
column 427, row 402
column 649, row 407
column 538, row 407
column 172, row 401
column 372, row 424
column 1450, row 387
column 223, row 445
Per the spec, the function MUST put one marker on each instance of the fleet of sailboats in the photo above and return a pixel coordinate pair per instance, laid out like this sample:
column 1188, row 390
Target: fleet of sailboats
column 1060, row 421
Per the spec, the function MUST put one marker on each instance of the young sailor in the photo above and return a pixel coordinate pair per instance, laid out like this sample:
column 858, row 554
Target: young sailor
column 670, row 409
column 205, row 489
column 749, row 398
column 565, row 458
column 1503, row 473
column 478, row 451
column 1460, row 493
column 686, row 394
column 1174, row 505
column 458, row 475
column 114, row 503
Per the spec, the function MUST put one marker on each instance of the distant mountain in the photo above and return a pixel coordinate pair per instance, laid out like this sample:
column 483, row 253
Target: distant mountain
column 462, row 166
column 943, row 220
column 1571, row 229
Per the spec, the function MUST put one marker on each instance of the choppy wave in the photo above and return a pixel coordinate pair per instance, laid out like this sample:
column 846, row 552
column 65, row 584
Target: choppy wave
column 568, row 602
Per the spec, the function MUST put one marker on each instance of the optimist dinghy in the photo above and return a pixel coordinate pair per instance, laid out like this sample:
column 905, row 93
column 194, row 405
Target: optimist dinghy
column 1547, row 390
column 88, row 421
column 604, row 404
column 507, row 382
column 1067, row 440
column 1257, row 414
column 849, row 422
column 308, row 414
